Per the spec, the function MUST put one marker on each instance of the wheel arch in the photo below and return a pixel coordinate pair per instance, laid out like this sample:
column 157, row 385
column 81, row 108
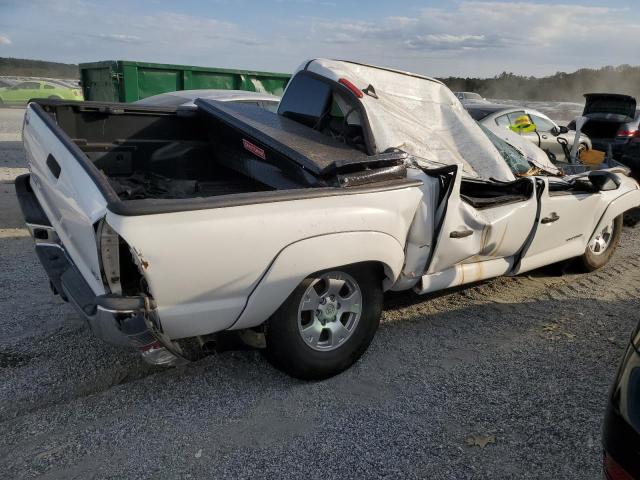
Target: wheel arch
column 620, row 205
column 300, row 259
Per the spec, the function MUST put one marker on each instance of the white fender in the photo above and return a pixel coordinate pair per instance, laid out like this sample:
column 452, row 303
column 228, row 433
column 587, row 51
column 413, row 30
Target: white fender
column 297, row 261
column 624, row 202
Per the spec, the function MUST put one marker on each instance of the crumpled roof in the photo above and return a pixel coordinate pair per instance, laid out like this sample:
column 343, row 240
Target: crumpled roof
column 421, row 116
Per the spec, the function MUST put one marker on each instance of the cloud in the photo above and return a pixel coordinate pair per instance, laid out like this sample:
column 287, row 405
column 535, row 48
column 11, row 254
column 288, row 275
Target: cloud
column 354, row 31
column 462, row 37
column 320, row 3
column 111, row 29
column 472, row 25
column 446, row 41
column 195, row 32
column 120, row 37
column 525, row 37
column 4, row 40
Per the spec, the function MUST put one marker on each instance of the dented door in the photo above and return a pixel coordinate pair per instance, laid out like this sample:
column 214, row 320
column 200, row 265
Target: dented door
column 470, row 234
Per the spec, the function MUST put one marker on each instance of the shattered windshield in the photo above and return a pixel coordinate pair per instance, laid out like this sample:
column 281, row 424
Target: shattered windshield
column 516, row 161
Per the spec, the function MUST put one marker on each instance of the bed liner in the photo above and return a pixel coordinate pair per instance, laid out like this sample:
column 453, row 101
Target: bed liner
column 354, row 169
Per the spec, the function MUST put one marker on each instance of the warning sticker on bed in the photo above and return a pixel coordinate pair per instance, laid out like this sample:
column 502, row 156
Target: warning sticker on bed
column 257, row 151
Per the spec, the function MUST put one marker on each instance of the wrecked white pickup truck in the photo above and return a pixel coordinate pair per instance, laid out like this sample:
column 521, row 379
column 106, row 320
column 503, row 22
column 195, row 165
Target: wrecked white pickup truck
column 166, row 226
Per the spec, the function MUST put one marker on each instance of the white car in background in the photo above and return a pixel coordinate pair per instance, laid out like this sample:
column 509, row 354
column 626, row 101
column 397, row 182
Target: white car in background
column 545, row 135
column 186, row 98
column 470, row 97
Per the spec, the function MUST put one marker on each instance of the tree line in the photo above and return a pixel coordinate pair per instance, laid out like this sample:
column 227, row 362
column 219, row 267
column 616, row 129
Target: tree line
column 37, row 68
column 559, row 87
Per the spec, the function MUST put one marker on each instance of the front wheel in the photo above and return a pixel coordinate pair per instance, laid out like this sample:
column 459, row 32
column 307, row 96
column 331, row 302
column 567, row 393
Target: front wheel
column 600, row 250
column 327, row 323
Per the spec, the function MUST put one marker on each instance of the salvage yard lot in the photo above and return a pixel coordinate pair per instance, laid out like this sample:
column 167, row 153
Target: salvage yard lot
column 505, row 379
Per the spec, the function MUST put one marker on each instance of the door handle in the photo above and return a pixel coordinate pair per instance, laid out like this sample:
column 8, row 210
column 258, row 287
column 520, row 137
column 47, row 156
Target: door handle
column 460, row 233
column 544, row 136
column 54, row 166
column 551, row 218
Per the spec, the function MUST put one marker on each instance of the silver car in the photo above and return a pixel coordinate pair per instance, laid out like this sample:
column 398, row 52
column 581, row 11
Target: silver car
column 545, row 135
column 470, row 97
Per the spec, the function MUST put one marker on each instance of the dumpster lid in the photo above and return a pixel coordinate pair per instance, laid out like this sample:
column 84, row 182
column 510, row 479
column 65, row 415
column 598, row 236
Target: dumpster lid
column 310, row 149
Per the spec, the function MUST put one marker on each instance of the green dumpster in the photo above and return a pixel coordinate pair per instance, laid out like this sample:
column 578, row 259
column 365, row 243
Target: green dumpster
column 127, row 81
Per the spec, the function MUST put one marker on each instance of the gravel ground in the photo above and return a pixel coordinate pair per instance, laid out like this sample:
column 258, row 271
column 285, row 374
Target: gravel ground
column 519, row 365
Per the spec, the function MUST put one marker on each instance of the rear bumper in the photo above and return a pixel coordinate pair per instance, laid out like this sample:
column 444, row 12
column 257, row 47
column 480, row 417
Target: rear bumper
column 118, row 320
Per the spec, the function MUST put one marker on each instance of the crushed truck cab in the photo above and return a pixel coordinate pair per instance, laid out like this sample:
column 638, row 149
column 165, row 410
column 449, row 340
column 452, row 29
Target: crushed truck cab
column 166, row 226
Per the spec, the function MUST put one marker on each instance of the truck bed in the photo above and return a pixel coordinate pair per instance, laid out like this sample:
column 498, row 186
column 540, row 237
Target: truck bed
column 218, row 149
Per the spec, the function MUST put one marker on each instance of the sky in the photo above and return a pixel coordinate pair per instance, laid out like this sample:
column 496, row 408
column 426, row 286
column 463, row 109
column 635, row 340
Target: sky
column 437, row 38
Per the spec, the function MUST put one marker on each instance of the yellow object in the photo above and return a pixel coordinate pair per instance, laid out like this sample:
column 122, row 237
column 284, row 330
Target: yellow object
column 523, row 124
column 592, row 157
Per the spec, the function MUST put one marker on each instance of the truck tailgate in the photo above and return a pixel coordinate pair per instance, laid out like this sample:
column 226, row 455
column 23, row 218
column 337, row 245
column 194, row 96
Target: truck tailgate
column 67, row 193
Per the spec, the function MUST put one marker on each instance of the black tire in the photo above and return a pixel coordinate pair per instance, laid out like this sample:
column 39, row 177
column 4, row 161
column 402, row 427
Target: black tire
column 288, row 351
column 590, row 261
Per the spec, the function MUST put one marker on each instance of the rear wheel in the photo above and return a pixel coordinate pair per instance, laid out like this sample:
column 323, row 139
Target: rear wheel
column 600, row 250
column 327, row 323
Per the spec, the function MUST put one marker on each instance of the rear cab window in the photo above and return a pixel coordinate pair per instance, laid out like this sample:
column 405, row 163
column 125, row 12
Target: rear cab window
column 305, row 100
column 316, row 104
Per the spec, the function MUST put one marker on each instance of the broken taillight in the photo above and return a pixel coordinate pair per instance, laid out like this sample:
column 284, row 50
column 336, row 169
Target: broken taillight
column 355, row 90
column 121, row 272
column 109, row 251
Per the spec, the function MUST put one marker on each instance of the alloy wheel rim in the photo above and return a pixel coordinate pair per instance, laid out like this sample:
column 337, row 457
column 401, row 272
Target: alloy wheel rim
column 599, row 244
column 329, row 311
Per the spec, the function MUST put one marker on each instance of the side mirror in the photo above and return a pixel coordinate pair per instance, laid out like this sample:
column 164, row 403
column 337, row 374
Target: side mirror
column 562, row 130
